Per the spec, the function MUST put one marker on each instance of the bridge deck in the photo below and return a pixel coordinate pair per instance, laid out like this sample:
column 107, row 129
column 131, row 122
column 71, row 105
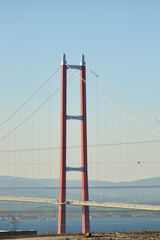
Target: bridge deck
column 80, row 203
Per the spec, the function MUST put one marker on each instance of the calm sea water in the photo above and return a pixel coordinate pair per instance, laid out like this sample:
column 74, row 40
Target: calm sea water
column 97, row 225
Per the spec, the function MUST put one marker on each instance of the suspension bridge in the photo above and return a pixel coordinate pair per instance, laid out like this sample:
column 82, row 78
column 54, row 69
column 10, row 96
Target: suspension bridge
column 111, row 144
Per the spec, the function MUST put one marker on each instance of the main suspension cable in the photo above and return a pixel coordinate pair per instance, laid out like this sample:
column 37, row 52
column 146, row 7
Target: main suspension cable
column 1, row 139
column 122, row 96
column 116, row 105
column 1, row 124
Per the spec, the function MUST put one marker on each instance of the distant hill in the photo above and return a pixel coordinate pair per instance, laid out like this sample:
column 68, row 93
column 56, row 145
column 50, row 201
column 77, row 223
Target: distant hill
column 142, row 182
column 9, row 181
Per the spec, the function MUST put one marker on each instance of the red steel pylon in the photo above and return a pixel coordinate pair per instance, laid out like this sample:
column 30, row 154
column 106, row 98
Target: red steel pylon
column 63, row 168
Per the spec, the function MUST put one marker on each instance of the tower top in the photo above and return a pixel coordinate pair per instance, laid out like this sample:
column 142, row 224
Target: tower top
column 82, row 62
column 63, row 62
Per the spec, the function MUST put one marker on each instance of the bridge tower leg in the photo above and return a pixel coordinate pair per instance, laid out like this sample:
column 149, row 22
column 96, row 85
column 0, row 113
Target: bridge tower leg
column 85, row 209
column 62, row 186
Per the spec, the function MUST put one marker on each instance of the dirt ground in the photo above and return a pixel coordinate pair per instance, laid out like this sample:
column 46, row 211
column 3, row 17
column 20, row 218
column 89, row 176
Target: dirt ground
column 145, row 235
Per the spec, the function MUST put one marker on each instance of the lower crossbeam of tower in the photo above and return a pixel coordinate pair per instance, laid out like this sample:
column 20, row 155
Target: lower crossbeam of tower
column 71, row 169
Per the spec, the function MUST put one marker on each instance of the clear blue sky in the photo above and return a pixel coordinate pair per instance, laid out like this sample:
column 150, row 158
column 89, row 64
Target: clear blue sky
column 120, row 40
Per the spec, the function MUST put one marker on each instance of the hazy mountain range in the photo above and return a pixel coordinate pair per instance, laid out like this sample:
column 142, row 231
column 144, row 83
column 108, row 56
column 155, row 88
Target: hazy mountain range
column 140, row 191
column 9, row 181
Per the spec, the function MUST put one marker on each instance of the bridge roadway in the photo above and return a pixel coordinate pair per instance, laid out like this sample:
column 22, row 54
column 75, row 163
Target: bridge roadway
column 80, row 203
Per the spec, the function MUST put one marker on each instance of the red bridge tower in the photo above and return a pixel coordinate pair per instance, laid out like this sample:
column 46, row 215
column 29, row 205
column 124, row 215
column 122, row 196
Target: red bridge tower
column 63, row 168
